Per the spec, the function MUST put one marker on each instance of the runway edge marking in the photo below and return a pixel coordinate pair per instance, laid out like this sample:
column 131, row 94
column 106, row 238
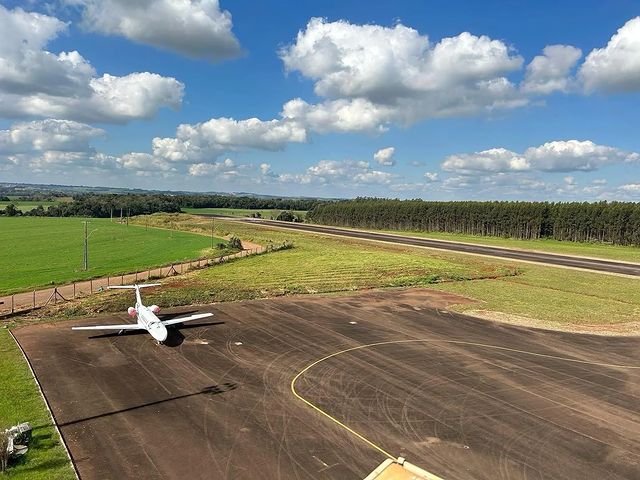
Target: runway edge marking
column 46, row 402
column 431, row 476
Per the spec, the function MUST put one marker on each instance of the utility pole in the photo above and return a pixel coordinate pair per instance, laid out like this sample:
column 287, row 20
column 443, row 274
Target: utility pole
column 87, row 234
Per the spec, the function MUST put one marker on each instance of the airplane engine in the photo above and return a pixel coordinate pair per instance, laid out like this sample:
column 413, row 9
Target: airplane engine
column 131, row 311
column 154, row 308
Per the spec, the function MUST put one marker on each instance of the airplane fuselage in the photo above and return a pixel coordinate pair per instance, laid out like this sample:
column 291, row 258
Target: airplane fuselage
column 148, row 320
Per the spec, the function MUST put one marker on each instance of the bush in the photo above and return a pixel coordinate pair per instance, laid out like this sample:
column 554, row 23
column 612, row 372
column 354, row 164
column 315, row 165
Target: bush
column 235, row 243
column 286, row 216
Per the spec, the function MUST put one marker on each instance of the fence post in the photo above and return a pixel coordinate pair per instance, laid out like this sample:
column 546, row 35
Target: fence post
column 74, row 290
column 12, row 304
column 90, row 286
column 34, row 299
column 108, row 284
column 122, row 279
column 136, row 276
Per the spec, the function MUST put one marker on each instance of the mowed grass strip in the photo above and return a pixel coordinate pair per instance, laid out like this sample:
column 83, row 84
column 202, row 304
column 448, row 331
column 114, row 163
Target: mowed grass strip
column 605, row 251
column 40, row 251
column 243, row 212
column 20, row 401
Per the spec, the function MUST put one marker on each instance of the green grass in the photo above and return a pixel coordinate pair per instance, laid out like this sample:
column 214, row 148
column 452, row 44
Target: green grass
column 314, row 265
column 555, row 295
column 20, row 401
column 242, row 212
column 27, row 206
column 40, row 251
column 326, row 264
column 593, row 249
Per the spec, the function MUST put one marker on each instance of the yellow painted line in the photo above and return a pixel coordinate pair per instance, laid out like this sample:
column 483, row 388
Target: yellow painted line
column 431, row 476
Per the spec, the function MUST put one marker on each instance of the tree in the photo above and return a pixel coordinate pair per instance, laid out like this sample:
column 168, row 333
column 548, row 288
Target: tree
column 11, row 210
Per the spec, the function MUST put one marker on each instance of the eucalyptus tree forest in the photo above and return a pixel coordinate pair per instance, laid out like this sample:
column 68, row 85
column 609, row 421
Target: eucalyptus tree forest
column 611, row 222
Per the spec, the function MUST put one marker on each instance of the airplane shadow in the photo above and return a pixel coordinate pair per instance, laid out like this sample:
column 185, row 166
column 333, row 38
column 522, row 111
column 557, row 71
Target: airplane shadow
column 211, row 390
column 174, row 336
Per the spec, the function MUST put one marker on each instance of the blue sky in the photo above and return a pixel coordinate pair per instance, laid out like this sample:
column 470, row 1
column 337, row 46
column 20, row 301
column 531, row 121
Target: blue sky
column 428, row 99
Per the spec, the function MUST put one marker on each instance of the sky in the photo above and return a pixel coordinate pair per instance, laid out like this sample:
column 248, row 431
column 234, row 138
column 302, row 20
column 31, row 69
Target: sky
column 458, row 100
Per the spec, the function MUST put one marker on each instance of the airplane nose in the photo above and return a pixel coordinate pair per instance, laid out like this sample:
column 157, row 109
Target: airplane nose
column 159, row 332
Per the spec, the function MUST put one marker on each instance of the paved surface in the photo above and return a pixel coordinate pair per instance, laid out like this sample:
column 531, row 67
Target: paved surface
column 460, row 397
column 529, row 256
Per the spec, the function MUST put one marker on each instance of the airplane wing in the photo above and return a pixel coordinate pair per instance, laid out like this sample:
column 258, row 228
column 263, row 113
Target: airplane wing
column 128, row 326
column 197, row 316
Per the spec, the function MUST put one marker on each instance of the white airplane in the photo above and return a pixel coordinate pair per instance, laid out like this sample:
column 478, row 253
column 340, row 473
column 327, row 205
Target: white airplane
column 146, row 317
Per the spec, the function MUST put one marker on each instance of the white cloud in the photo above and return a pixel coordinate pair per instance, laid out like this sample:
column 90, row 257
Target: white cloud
column 342, row 115
column 195, row 28
column 396, row 74
column 205, row 141
column 384, row 156
column 36, row 82
column 616, row 67
column 630, row 188
column 492, row 160
column 49, row 134
column 431, row 177
column 550, row 71
column 225, row 169
column 338, row 173
column 558, row 156
column 575, row 155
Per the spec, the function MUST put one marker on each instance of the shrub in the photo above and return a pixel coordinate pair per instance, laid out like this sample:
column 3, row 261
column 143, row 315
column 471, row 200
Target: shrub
column 235, row 243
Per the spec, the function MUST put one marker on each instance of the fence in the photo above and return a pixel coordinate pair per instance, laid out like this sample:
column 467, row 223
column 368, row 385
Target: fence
column 26, row 301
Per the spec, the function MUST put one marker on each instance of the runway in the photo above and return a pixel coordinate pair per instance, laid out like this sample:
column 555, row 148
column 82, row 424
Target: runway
column 326, row 387
column 596, row 265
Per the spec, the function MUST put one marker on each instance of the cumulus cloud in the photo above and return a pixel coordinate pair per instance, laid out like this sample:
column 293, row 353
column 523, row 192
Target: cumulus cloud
column 551, row 71
column 342, row 115
column 36, row 82
column 195, row 28
column 225, row 169
column 397, row 75
column 338, row 173
column 492, row 160
column 616, row 67
column 45, row 135
column 431, row 177
column 575, row 155
column 384, row 156
column 558, row 156
column 199, row 142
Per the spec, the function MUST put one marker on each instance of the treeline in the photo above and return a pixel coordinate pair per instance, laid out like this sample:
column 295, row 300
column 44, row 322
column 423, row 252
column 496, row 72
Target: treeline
column 230, row 201
column 107, row 205
column 611, row 222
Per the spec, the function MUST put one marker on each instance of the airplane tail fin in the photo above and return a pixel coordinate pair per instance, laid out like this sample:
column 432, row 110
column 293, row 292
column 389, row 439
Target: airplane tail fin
column 134, row 287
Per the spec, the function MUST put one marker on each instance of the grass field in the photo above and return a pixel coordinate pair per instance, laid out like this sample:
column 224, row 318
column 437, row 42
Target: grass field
column 26, row 205
column 39, row 251
column 596, row 250
column 20, row 401
column 242, row 212
column 557, row 296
